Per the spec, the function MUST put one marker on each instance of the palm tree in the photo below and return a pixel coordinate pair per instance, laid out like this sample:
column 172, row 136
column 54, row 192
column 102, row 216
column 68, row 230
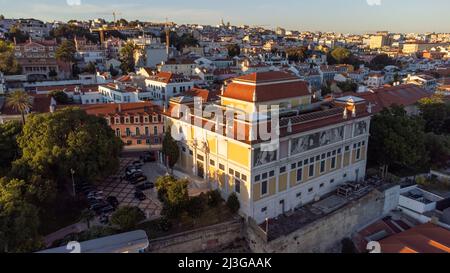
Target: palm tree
column 20, row 101
column 87, row 215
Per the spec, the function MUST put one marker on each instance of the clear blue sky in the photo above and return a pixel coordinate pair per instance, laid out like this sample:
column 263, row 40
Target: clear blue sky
column 355, row 16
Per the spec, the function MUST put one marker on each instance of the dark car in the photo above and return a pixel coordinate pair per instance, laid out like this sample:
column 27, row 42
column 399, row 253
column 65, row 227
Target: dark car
column 140, row 195
column 112, row 200
column 133, row 171
column 137, row 164
column 107, row 209
column 145, row 186
column 138, row 179
column 149, row 157
column 134, row 176
column 98, row 206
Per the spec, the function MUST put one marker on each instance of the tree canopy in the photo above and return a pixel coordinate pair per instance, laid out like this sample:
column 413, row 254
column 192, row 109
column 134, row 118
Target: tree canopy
column 170, row 149
column 52, row 144
column 127, row 57
column 70, row 31
column 436, row 114
column 66, row 52
column 127, row 218
column 297, row 54
column 233, row 50
column 9, row 149
column 8, row 61
column 397, row 139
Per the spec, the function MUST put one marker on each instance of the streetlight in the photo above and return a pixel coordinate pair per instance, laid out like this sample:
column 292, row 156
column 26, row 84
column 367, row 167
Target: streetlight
column 72, row 171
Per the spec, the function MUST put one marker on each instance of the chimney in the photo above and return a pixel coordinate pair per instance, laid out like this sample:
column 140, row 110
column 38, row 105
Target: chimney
column 345, row 113
column 119, row 109
column 289, row 128
column 354, row 111
column 369, row 108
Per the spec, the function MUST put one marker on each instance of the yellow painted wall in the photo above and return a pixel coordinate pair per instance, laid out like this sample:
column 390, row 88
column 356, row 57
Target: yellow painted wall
column 346, row 159
column 257, row 191
column 212, row 144
column 293, row 178
column 238, row 154
column 272, row 186
column 282, row 182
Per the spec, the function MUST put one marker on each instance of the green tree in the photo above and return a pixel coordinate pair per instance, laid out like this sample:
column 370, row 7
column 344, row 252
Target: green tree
column 214, row 198
column 233, row 50
column 173, row 194
column 113, row 71
column 340, row 54
column 127, row 218
column 19, row 101
column 127, row 57
column 9, row 149
column 381, row 61
column 52, row 74
column 54, row 143
column 60, row 96
column 233, row 203
column 396, row 139
column 15, row 34
column 436, row 114
column 19, row 220
column 66, row 52
column 170, row 149
column 196, row 206
column 348, row 86
column 296, row 54
column 438, row 148
column 8, row 61
column 91, row 68
column 70, row 31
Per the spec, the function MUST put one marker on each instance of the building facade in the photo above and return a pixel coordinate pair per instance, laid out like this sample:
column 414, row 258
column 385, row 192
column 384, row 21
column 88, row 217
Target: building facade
column 139, row 125
column 165, row 85
column 317, row 150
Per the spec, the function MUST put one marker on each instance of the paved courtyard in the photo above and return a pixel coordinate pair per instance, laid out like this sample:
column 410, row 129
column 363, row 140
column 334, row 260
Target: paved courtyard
column 124, row 192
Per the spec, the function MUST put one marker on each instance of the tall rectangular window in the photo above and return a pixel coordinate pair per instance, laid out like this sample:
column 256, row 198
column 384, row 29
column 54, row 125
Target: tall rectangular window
column 263, row 188
column 311, row 170
column 299, row 174
column 237, row 186
column 322, row 166
column 333, row 163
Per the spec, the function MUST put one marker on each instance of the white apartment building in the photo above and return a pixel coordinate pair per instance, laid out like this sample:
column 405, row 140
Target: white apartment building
column 165, row 85
column 123, row 93
column 375, row 81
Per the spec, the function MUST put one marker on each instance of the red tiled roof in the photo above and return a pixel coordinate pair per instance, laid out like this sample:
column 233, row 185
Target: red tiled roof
column 267, row 86
column 205, row 94
column 426, row 238
column 125, row 108
column 405, row 95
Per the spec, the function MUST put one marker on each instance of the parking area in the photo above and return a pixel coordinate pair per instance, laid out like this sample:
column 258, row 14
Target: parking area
column 124, row 191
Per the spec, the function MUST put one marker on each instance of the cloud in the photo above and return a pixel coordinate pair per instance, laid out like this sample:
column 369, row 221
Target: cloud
column 373, row 2
column 74, row 2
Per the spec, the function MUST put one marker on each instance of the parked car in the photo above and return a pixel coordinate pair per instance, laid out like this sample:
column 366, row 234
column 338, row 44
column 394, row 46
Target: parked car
column 112, row 200
column 149, row 157
column 107, row 209
column 145, row 186
column 132, row 171
column 137, row 164
column 133, row 176
column 98, row 206
column 140, row 195
column 138, row 179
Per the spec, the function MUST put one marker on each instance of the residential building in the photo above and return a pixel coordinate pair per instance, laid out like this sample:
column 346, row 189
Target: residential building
column 425, row 81
column 139, row 125
column 185, row 67
column 37, row 59
column 150, row 52
column 36, row 29
column 88, row 52
column 321, row 145
column 375, row 80
column 378, row 41
column 165, row 85
column 123, row 93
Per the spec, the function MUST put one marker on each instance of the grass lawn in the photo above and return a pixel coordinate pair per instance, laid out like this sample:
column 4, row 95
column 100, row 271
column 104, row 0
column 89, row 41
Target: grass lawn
column 67, row 212
column 211, row 216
